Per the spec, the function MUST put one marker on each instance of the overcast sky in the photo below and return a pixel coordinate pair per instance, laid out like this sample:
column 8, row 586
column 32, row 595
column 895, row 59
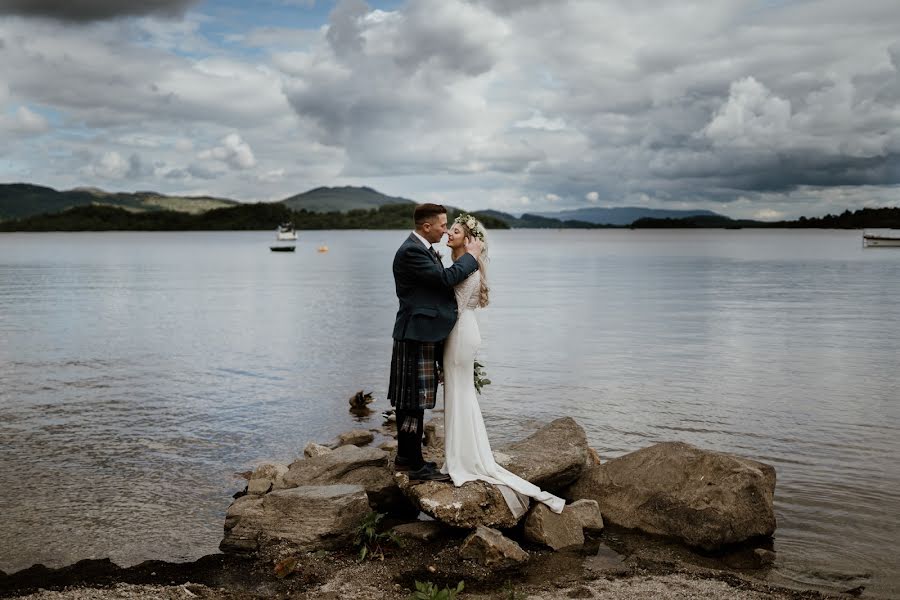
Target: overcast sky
column 752, row 108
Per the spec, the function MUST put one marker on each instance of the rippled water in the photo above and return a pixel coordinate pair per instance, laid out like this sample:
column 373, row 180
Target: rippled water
column 139, row 371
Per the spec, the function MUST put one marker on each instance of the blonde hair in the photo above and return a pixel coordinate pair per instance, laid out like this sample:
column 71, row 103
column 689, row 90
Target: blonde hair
column 485, row 291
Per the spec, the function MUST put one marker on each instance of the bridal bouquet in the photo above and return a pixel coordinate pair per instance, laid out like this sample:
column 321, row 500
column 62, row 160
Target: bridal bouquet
column 480, row 375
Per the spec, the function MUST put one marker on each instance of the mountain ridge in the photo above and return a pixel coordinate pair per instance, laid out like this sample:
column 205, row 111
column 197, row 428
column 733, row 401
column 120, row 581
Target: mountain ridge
column 22, row 200
column 624, row 215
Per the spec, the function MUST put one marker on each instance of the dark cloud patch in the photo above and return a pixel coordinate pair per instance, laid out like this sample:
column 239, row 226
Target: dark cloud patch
column 93, row 10
column 506, row 7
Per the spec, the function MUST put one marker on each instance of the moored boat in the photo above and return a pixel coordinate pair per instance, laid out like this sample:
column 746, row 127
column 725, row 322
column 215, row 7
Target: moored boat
column 881, row 239
column 281, row 248
column 286, row 232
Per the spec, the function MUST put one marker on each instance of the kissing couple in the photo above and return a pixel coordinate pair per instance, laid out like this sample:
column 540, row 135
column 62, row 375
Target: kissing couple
column 435, row 326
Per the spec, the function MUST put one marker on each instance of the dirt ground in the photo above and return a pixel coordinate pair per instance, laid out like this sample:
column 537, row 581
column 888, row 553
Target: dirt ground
column 612, row 566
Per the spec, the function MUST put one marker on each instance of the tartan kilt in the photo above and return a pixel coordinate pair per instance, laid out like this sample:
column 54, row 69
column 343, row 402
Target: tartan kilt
column 413, row 383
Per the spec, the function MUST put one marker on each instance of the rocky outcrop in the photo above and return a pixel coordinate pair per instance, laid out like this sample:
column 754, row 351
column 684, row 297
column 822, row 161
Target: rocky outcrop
column 563, row 530
column 588, row 514
column 551, row 458
column 468, row 506
column 307, row 518
column 490, row 548
column 707, row 499
column 267, row 477
column 351, row 465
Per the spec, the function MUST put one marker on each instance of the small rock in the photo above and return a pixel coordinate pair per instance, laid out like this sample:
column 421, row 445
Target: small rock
column 313, row 449
column 434, row 433
column 606, row 562
column 765, row 557
column 388, row 445
column 420, row 530
column 543, row 526
column 588, row 514
column 355, row 437
column 490, row 548
column 267, row 477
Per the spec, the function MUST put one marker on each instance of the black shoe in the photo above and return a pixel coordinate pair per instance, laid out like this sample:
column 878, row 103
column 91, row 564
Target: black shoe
column 427, row 473
column 403, row 464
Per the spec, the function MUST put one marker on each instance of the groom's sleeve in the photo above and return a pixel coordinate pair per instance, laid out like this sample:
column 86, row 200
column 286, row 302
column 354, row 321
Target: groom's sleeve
column 423, row 268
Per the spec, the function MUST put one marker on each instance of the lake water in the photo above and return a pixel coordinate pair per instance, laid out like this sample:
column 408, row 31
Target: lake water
column 140, row 371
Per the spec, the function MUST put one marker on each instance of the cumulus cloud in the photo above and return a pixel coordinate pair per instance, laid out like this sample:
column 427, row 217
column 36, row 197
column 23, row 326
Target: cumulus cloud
column 402, row 92
column 752, row 117
column 734, row 106
column 111, row 165
column 93, row 10
column 233, row 151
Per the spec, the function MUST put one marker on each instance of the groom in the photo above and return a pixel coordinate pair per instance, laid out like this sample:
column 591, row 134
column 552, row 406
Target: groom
column 427, row 314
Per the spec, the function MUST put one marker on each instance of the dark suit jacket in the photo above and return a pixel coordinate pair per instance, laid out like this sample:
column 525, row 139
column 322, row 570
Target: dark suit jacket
column 425, row 289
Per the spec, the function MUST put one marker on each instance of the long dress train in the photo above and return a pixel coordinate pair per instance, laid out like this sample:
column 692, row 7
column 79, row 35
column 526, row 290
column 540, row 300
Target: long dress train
column 468, row 450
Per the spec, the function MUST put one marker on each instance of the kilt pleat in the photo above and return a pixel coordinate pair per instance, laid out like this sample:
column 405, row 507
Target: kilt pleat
column 413, row 380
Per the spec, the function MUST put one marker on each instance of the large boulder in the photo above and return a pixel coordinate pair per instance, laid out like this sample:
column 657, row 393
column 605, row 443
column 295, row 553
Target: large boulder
column 490, row 548
column 307, row 518
column 468, row 506
column 351, row 465
column 563, row 530
column 707, row 499
column 551, row 458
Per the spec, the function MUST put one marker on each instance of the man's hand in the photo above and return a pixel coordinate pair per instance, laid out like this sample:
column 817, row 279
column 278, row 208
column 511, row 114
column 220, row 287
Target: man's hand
column 474, row 246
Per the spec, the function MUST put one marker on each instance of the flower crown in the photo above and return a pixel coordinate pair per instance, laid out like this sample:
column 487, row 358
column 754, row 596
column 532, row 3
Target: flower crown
column 472, row 224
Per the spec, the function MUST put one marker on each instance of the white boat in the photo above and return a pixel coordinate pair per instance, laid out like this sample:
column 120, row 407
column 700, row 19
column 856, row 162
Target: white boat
column 286, row 233
column 881, row 239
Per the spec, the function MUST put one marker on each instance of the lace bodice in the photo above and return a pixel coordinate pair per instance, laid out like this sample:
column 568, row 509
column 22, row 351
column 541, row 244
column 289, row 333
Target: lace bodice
column 468, row 292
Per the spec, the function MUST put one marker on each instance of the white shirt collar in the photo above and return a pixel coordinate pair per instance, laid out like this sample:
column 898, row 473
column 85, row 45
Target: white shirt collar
column 421, row 239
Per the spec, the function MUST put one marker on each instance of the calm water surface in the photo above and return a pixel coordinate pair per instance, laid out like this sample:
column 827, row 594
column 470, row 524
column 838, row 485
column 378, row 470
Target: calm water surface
column 139, row 371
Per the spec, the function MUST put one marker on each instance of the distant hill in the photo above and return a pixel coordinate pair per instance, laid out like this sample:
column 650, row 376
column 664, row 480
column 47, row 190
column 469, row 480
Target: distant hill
column 20, row 200
column 624, row 215
column 872, row 218
column 341, row 199
column 530, row 221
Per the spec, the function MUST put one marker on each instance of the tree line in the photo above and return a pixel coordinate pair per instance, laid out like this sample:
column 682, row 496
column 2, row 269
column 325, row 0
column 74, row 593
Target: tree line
column 240, row 217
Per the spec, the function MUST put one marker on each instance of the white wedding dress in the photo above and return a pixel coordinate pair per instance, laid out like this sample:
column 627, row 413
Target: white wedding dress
column 468, row 451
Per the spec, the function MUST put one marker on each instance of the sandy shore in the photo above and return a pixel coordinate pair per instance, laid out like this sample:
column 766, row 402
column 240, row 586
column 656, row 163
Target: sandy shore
column 664, row 587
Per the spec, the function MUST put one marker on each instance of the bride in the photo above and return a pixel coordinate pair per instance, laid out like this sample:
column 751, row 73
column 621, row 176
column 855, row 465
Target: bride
column 468, row 450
